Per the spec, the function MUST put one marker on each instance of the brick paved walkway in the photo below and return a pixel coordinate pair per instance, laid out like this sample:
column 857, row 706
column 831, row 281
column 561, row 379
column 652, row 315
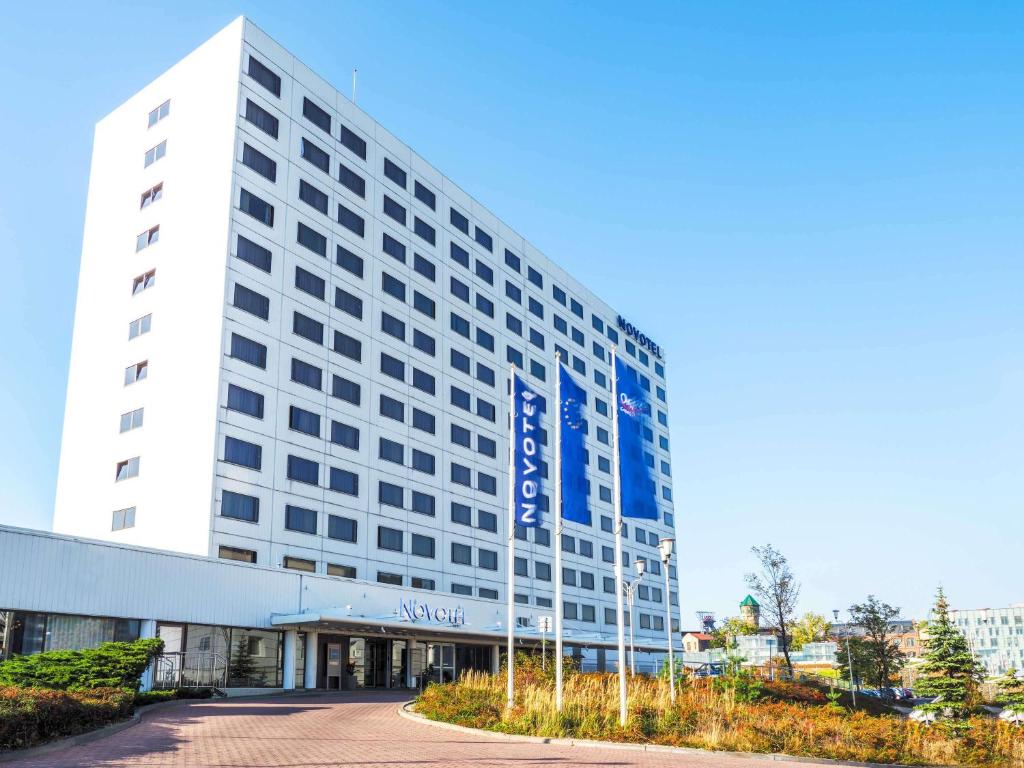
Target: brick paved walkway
column 321, row 731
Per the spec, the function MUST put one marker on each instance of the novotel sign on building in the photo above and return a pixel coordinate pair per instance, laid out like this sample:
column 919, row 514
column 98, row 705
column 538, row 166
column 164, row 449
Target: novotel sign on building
column 414, row 610
column 644, row 341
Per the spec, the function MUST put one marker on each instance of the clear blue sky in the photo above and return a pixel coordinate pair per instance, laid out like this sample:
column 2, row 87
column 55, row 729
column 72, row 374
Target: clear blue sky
column 815, row 208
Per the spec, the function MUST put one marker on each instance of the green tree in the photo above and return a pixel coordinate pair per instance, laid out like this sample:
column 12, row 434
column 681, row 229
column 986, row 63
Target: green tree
column 243, row 666
column 949, row 670
column 879, row 649
column 778, row 591
column 856, row 653
column 811, row 628
column 725, row 635
column 1011, row 690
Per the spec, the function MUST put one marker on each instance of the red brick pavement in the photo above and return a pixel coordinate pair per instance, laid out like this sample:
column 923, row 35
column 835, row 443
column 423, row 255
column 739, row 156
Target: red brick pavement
column 329, row 730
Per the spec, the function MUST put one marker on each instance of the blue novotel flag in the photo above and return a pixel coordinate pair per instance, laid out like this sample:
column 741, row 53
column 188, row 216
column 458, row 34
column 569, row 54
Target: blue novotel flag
column 636, row 480
column 527, row 406
column 573, row 451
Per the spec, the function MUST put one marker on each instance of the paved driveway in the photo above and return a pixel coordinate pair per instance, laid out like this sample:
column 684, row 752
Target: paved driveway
column 348, row 729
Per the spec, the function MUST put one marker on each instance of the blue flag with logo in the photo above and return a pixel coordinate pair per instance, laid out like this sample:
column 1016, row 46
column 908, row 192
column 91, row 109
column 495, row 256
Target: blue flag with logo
column 573, row 452
column 526, row 408
column 636, row 480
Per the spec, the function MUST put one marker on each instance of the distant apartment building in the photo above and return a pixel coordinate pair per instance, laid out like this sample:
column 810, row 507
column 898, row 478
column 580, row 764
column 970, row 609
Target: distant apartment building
column 994, row 635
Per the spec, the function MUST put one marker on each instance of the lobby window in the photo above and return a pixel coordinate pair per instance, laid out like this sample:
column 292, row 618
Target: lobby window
column 306, row 374
column 143, row 281
column 127, row 469
column 462, row 554
column 256, row 207
column 351, row 220
column 263, row 75
column 424, row 195
column 137, row 372
column 237, row 554
column 299, row 519
column 131, row 420
column 298, row 564
column 345, row 571
column 239, row 506
column 139, row 326
column 303, row 470
column 158, row 114
column 151, row 195
column 242, row 453
column 149, row 237
column 247, row 300
column 123, row 518
column 393, row 172
column 343, row 481
column 352, row 142
column 155, row 153
column 261, row 118
column 422, row 546
column 342, row 529
column 257, row 161
column 390, row 539
column 315, row 156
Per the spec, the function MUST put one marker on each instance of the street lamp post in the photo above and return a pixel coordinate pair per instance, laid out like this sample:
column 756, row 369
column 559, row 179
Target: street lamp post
column 849, row 656
column 630, row 587
column 665, row 547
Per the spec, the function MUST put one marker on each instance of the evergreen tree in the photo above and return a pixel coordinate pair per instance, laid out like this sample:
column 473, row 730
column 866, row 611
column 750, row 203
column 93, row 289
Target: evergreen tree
column 243, row 666
column 1011, row 691
column 949, row 670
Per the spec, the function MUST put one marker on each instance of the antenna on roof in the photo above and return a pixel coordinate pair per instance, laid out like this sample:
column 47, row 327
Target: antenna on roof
column 355, row 74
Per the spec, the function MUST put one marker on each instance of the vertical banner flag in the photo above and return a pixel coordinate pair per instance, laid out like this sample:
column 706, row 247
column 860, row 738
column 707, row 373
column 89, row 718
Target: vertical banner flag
column 575, row 506
column 636, row 480
column 526, row 454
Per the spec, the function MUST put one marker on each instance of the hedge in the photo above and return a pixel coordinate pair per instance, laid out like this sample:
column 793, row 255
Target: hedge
column 110, row 665
column 31, row 716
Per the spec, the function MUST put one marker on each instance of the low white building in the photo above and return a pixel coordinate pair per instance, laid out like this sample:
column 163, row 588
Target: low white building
column 994, row 635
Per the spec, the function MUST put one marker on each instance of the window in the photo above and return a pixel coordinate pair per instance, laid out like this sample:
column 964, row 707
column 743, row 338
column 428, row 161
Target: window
column 262, row 119
column 254, row 254
column 423, row 421
column 259, row 162
column 349, row 261
column 421, row 546
column 394, row 579
column 392, row 326
column 461, row 436
column 249, row 301
column 535, row 277
column 536, row 308
column 487, row 559
column 542, row 571
column 537, row 370
column 586, row 548
column 514, row 324
column 424, row 195
column 393, row 172
column 511, row 260
column 486, row 446
column 342, row 529
column 424, row 230
column 459, row 289
column 315, row 156
column 542, row 537
column 147, row 238
column 150, row 196
column 390, row 539
column 484, row 339
column 394, row 210
column 391, row 408
column 306, row 374
column 577, row 336
column 352, row 142
column 483, row 238
column 462, row 554
column 462, row 589
column 576, row 308
column 234, row 553
column 484, row 272
column 345, row 435
column 460, row 325
column 487, row 483
column 343, row 481
column 570, row 610
column 392, row 366
column 459, row 255
column 485, row 409
column 569, row 577
column 460, row 398
column 311, row 239
column 345, row 571
column 484, row 374
column 304, row 421
column 139, row 326
column 247, row 350
column 351, row 220
column 486, row 521
column 155, row 153
column 123, row 518
column 256, row 207
column 348, row 303
column 299, row 519
column 424, row 267
column 461, row 475
column 131, row 420
column 303, row 470
column 485, row 305
column 423, row 304
column 423, row 381
column 243, row 453
column 137, row 372
column 351, row 180
column 514, row 356
column 513, row 292
column 459, row 221
column 298, row 564
column 159, row 114
column 389, row 450
column 423, row 503
column 393, row 286
column 143, row 281
column 423, row 342
column 262, row 74
column 314, row 198
column 461, row 514
column 537, row 338
column 316, row 115
column 307, row 328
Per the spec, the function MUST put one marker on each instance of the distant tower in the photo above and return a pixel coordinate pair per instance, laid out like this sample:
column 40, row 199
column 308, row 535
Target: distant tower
column 750, row 611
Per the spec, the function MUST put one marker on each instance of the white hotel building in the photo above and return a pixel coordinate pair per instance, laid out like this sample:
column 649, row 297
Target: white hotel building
column 290, row 361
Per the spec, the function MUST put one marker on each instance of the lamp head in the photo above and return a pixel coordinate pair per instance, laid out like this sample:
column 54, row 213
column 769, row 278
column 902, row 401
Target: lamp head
column 665, row 547
column 835, row 614
column 640, row 565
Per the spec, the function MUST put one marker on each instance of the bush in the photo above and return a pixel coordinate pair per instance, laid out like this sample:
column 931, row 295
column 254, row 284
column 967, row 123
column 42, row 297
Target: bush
column 111, row 665
column 31, row 716
column 171, row 694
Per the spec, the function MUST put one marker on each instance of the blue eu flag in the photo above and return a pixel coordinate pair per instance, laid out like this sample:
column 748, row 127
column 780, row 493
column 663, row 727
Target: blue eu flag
column 573, row 453
column 636, row 480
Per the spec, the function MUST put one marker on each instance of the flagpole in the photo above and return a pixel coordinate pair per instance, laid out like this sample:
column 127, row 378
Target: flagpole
column 617, row 498
column 510, row 700
column 557, row 409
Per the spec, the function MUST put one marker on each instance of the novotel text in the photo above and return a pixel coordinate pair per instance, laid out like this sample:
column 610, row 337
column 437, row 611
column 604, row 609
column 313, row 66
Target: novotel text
column 641, row 339
column 414, row 610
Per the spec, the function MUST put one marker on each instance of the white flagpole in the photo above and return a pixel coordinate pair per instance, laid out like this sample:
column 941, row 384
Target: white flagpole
column 558, row 530
column 617, row 498
column 510, row 701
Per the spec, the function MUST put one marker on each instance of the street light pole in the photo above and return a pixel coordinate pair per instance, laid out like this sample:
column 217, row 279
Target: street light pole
column 849, row 656
column 665, row 547
column 630, row 588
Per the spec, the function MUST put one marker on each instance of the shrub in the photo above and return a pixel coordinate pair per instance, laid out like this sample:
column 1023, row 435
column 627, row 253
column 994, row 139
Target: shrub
column 170, row 694
column 30, row 716
column 111, row 665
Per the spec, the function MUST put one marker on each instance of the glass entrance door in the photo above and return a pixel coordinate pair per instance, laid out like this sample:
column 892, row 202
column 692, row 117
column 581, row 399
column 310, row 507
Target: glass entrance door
column 375, row 669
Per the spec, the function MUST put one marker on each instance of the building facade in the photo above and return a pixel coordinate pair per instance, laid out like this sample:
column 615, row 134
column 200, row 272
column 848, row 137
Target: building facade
column 291, row 349
column 994, row 635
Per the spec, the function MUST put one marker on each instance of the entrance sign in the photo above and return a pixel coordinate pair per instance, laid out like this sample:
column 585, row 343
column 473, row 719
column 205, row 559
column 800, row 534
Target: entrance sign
column 414, row 610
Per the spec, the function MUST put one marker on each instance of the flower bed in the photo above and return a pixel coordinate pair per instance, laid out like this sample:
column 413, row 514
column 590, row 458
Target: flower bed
column 31, row 716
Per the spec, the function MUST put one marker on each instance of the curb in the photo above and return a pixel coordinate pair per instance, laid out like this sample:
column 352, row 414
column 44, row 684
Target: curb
column 406, row 711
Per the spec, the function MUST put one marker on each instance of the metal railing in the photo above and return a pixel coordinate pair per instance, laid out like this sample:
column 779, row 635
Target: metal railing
column 190, row 669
